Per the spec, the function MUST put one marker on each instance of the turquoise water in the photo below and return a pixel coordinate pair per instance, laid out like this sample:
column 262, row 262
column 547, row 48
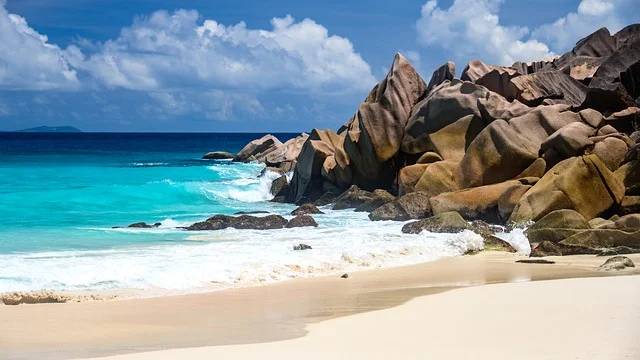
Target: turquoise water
column 58, row 190
column 61, row 195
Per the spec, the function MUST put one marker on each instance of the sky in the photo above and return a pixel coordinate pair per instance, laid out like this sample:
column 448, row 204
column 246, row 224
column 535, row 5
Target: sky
column 254, row 65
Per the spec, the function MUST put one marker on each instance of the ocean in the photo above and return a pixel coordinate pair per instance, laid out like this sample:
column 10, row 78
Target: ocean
column 62, row 194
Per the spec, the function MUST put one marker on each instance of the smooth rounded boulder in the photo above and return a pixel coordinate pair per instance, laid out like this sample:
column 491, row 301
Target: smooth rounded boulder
column 449, row 222
column 583, row 184
column 410, row 206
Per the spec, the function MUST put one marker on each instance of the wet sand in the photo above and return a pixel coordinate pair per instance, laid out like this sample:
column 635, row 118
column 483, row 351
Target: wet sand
column 267, row 314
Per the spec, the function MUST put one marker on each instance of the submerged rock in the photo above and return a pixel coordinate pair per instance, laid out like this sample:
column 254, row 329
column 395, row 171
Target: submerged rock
column 302, row 221
column 143, row 225
column 301, row 247
column 379, row 198
column 305, row 209
column 242, row 222
column 218, row 155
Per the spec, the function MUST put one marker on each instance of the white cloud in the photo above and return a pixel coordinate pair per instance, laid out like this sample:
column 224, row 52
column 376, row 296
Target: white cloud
column 471, row 29
column 589, row 17
column 27, row 60
column 176, row 50
column 213, row 105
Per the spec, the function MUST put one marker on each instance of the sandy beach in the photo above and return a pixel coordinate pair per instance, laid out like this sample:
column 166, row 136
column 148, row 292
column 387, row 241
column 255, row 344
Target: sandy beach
column 372, row 314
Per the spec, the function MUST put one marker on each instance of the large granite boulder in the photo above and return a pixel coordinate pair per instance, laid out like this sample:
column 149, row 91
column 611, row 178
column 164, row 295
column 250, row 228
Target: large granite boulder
column 438, row 178
column 557, row 226
column 497, row 107
column 409, row 176
column 258, row 149
column 603, row 238
column 310, row 172
column 629, row 174
column 443, row 73
column 611, row 150
column 571, row 140
column 374, row 136
column 503, row 150
column 509, row 198
column 449, row 222
column 279, row 186
column 475, row 203
column 499, row 80
column 445, row 105
column 549, row 88
column 583, row 184
column 451, row 142
column 606, row 92
column 625, row 120
column 288, row 152
column 410, row 206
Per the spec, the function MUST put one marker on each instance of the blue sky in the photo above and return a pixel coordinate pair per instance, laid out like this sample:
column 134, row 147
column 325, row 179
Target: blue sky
column 282, row 65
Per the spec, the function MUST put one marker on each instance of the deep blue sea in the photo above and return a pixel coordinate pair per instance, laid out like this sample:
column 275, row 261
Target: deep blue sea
column 62, row 194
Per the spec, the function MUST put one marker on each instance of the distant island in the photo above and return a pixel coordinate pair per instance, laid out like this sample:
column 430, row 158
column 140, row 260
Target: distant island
column 52, row 129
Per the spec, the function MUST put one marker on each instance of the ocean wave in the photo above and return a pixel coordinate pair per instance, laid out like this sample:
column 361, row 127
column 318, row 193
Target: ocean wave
column 345, row 241
column 149, row 164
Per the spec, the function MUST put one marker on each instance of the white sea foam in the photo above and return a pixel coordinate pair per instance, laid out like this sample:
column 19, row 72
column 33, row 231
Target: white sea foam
column 517, row 239
column 344, row 241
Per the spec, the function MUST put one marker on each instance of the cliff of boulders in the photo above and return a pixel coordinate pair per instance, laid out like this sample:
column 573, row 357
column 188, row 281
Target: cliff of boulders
column 503, row 144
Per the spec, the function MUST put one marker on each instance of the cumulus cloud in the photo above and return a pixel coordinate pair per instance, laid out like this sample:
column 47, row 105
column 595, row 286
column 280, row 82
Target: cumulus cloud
column 471, row 29
column 27, row 60
column 176, row 50
column 591, row 15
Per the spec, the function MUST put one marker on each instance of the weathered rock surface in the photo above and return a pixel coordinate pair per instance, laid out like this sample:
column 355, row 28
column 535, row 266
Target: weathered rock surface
column 557, row 226
column 549, row 248
column 603, row 238
column 445, row 105
column 475, row 203
column 375, row 134
column 352, row 198
column 437, row 178
column 617, row 263
column 302, row 221
column 410, row 206
column 443, row 73
column 449, row 222
column 379, row 198
column 565, row 187
column 258, row 149
column 503, row 150
column 218, row 155
column 289, row 151
column 550, row 87
column 278, row 185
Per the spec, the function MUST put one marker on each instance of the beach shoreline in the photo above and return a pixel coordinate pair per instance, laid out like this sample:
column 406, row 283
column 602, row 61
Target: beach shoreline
column 263, row 314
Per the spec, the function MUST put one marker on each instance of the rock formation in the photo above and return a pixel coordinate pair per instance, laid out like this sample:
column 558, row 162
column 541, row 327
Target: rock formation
column 553, row 141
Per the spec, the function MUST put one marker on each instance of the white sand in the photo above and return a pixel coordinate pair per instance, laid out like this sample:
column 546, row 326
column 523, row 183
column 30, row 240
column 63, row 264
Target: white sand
column 590, row 318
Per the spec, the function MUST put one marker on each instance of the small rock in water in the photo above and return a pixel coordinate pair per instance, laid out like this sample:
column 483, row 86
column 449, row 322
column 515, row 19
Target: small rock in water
column 302, row 247
column 536, row 261
column 344, row 276
column 302, row 221
column 306, row 209
column 617, row 263
column 250, row 212
column 143, row 225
